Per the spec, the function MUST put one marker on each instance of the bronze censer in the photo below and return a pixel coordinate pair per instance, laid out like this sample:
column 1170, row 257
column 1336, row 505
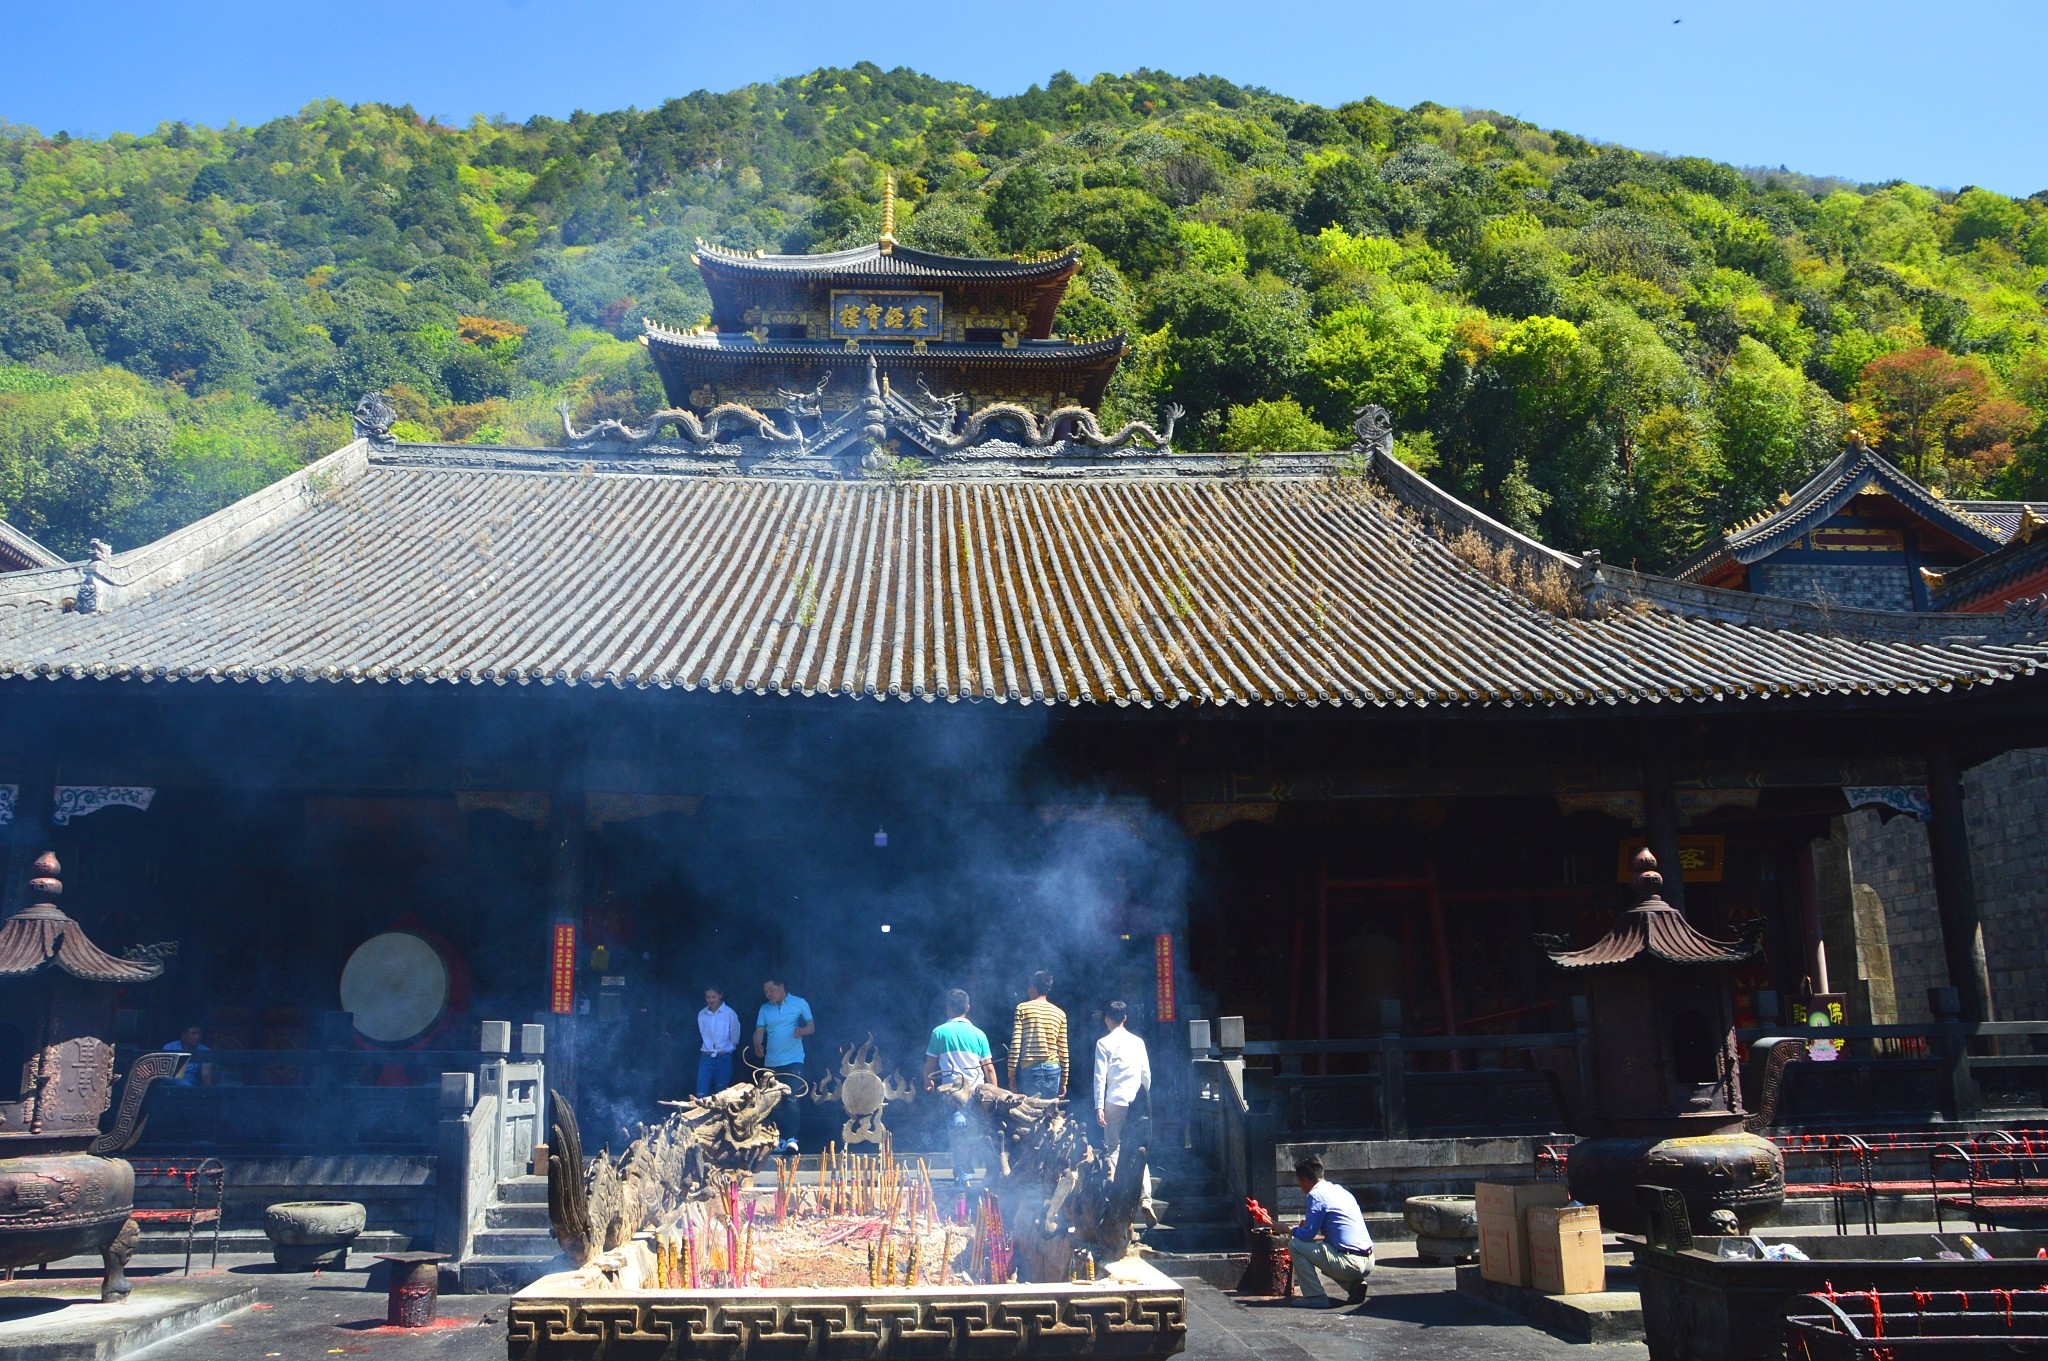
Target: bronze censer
column 1665, row 1106
column 59, row 1195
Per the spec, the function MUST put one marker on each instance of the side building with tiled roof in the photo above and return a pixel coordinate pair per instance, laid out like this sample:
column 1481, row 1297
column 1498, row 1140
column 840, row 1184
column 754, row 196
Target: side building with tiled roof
column 1860, row 532
column 1863, row 533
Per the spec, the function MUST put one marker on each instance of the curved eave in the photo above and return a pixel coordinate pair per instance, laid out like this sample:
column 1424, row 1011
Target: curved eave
column 743, row 349
column 902, row 262
column 1385, row 699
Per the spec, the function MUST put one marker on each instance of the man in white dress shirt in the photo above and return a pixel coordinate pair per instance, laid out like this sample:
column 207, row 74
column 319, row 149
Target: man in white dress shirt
column 1123, row 1072
column 718, row 1030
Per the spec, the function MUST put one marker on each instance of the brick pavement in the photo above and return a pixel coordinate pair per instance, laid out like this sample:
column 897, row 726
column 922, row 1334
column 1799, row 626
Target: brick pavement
column 1413, row 1313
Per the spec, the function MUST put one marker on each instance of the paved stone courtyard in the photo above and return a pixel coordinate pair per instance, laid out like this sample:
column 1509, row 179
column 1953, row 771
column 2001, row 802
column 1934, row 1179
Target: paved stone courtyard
column 1413, row 1313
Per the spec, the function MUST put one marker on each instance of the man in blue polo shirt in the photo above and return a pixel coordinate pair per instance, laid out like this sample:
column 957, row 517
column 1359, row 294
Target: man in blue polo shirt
column 779, row 1032
column 1330, row 1239
column 958, row 1060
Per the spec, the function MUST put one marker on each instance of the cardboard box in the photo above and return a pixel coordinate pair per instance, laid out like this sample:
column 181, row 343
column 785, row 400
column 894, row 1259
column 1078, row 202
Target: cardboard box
column 1504, row 1228
column 1565, row 1252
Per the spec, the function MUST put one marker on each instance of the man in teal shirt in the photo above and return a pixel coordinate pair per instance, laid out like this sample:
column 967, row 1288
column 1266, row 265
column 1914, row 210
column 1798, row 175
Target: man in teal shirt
column 958, row 1059
column 779, row 1032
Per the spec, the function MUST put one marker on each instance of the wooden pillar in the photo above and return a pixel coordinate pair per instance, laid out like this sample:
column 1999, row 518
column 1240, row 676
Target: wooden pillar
column 1660, row 821
column 1807, row 884
column 1955, row 890
column 1441, row 944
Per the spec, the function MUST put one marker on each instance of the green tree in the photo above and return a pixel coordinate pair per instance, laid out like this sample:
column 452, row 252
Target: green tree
column 1130, row 226
column 1275, row 427
column 1020, row 210
column 1230, row 342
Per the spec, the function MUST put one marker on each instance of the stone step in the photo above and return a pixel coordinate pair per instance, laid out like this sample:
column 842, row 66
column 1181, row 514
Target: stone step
column 169, row 1241
column 523, row 1191
column 514, row 1243
column 516, row 1215
column 493, row 1275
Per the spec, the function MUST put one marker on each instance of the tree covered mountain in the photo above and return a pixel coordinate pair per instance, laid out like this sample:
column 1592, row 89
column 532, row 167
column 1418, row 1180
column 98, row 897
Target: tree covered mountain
column 1606, row 348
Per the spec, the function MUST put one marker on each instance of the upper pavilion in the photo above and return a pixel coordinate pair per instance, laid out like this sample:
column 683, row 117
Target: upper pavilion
column 797, row 332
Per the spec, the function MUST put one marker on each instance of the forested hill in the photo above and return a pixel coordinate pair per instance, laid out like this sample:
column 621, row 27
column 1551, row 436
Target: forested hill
column 1611, row 349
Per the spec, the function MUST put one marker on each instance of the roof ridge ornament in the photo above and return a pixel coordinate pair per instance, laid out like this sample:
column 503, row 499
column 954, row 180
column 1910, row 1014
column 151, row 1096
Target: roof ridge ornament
column 88, row 599
column 374, row 417
column 1076, row 424
column 1373, row 429
column 888, row 239
column 706, row 430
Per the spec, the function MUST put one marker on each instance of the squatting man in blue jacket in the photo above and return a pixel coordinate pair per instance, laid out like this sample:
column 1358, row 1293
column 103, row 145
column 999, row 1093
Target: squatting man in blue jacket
column 1331, row 1239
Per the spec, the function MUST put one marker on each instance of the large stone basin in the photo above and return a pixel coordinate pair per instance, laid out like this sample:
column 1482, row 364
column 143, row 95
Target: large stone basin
column 1131, row 1311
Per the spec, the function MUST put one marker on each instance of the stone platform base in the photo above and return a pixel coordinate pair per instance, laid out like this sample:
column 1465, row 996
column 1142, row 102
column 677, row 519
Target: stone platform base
column 1133, row 1312
column 1222, row 1270
column 43, row 1320
column 1608, row 1316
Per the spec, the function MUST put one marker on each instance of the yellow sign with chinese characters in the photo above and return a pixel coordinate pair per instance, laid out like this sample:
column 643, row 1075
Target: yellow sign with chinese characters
column 887, row 315
column 1700, row 857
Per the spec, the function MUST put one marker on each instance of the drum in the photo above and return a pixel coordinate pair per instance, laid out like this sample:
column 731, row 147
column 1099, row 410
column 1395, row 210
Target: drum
column 396, row 984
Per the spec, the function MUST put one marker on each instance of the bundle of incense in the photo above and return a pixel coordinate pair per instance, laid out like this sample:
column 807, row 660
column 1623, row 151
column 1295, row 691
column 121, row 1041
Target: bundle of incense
column 946, row 1261
column 874, row 1252
column 889, row 1271
column 910, row 1265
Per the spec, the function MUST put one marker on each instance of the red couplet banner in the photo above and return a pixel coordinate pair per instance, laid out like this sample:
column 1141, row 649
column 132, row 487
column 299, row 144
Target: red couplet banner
column 563, row 1001
column 1162, row 960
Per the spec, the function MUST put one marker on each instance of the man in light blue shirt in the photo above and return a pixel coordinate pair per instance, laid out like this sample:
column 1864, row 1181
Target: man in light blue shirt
column 779, row 1032
column 1331, row 1239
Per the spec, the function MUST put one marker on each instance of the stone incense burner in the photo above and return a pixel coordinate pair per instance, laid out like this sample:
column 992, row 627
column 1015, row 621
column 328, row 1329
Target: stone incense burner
column 1665, row 1108
column 59, row 1196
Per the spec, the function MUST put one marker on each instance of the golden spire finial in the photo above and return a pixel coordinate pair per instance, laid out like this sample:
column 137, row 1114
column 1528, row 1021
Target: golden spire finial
column 888, row 212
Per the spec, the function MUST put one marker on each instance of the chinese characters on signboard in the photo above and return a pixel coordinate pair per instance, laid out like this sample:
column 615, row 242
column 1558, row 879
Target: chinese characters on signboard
column 1700, row 857
column 908, row 316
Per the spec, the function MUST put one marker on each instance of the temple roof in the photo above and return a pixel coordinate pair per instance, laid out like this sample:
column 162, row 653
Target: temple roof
column 1049, row 572
column 1655, row 928
column 18, row 550
column 2005, row 517
column 896, row 265
column 2017, row 564
column 1856, row 470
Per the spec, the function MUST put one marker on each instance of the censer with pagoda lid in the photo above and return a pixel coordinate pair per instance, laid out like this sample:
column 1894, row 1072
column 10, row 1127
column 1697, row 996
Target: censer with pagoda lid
column 59, row 1194
column 1665, row 1107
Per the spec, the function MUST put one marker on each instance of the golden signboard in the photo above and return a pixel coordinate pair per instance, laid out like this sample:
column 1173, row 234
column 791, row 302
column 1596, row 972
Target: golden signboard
column 1701, row 858
column 893, row 315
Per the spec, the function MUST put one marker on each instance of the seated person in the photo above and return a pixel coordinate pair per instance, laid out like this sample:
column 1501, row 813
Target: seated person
column 196, row 1074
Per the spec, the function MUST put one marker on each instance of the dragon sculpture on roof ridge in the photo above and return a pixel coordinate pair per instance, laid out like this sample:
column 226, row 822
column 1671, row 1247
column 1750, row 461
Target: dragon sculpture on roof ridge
column 1080, row 423
column 696, row 429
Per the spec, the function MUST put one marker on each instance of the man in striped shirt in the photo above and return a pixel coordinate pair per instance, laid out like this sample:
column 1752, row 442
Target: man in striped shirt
column 1038, row 1043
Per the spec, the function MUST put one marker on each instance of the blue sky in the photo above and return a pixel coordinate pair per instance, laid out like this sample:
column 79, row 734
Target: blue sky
column 1943, row 94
